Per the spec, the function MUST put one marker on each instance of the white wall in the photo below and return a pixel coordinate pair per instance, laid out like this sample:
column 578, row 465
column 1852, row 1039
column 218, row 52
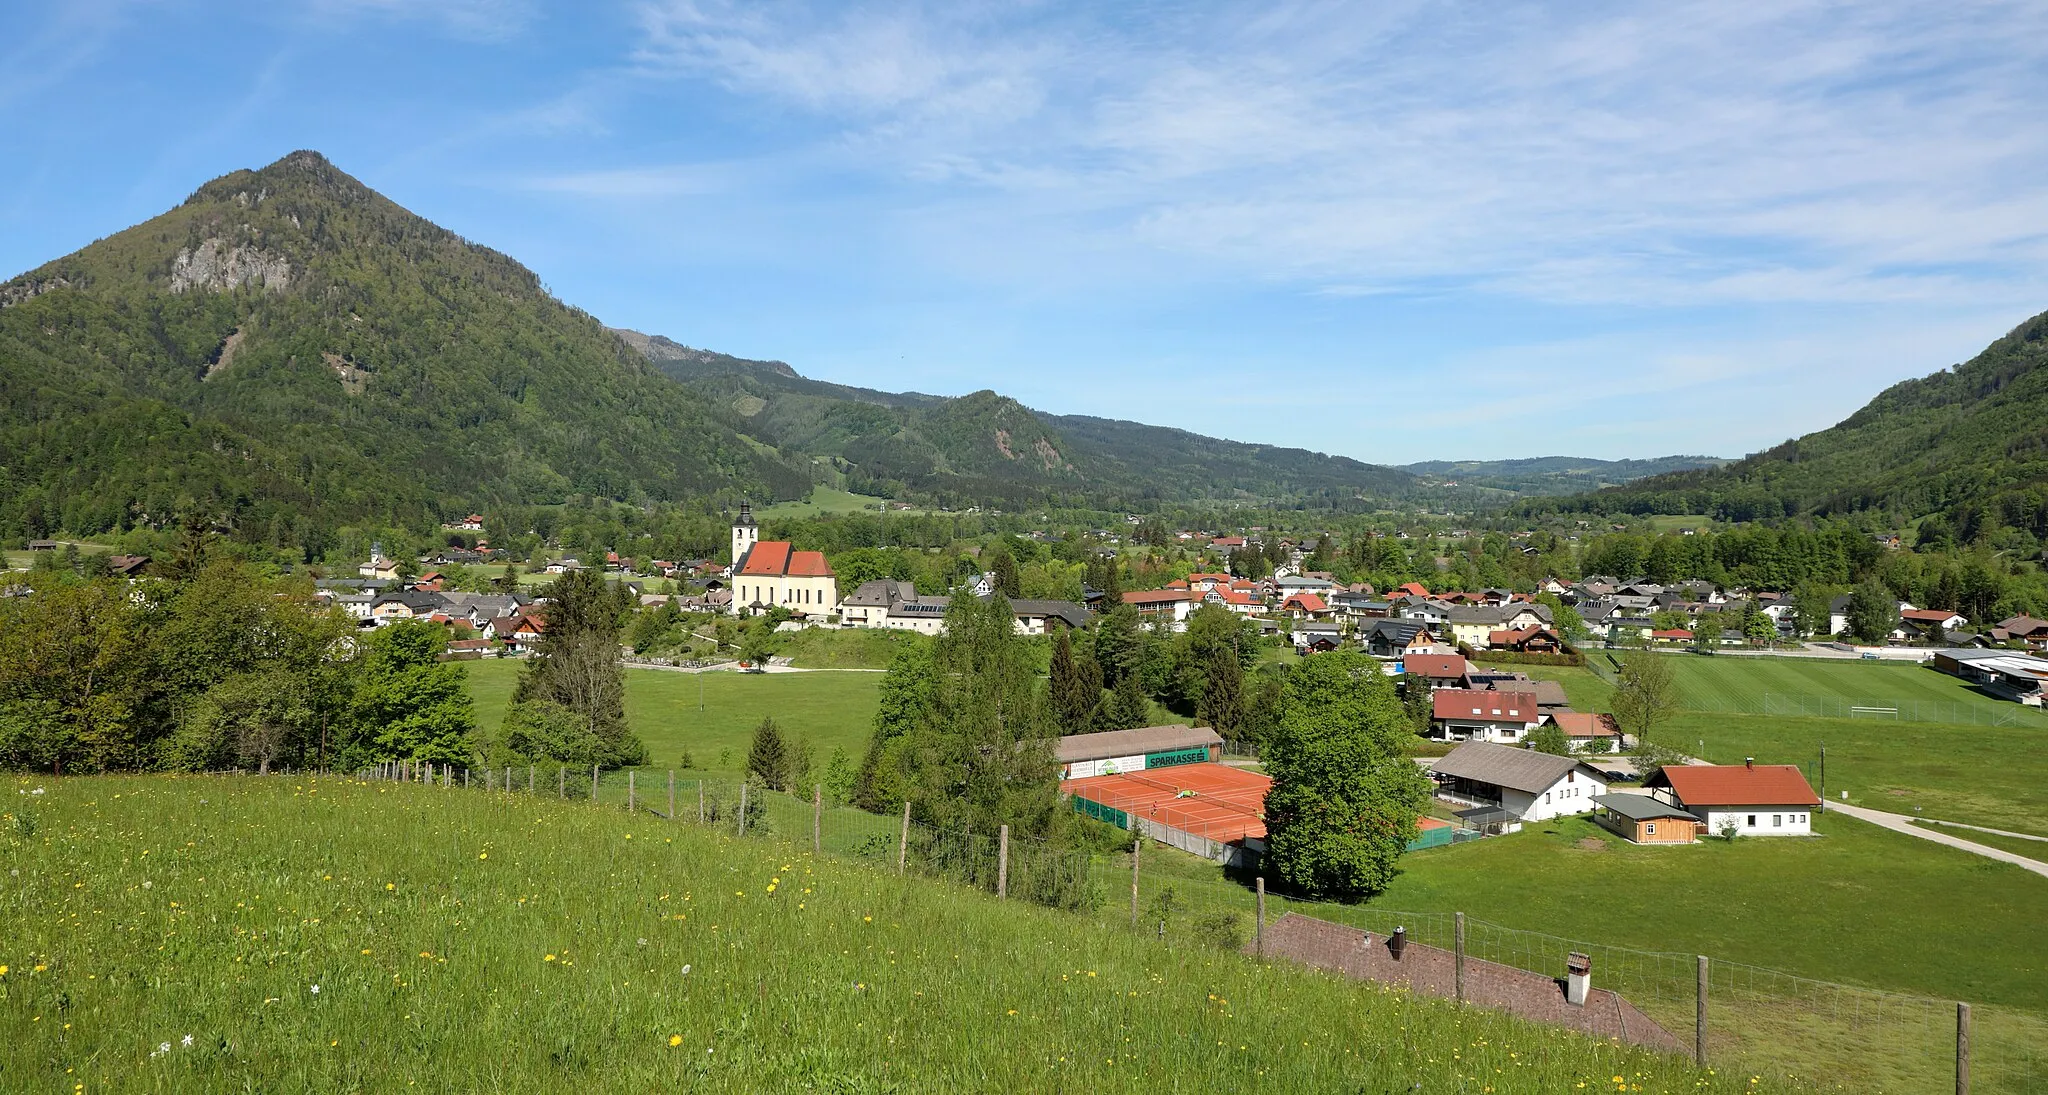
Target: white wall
column 1108, row 766
column 1573, row 793
column 1769, row 821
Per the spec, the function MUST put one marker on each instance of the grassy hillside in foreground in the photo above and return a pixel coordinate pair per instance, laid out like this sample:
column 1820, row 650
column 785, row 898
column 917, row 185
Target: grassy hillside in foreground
column 468, row 941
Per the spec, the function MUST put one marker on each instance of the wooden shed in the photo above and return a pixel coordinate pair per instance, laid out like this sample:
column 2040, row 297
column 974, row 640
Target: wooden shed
column 1645, row 820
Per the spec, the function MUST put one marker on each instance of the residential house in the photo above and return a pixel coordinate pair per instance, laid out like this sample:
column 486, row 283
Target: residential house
column 2028, row 630
column 1439, row 670
column 770, row 573
column 1508, row 786
column 1045, row 617
column 1435, row 614
column 1747, row 799
column 1401, row 639
column 406, row 604
column 1931, row 623
column 1289, row 586
column 1173, row 605
column 1317, row 638
column 521, row 633
column 1670, row 636
column 1305, row 606
column 1470, row 626
column 1464, row 714
column 562, row 566
column 1203, row 583
column 380, row 568
column 1527, row 640
column 127, row 566
column 1589, row 732
column 1241, row 601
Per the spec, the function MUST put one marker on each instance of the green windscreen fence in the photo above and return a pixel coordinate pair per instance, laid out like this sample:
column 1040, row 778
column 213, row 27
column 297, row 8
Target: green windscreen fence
column 1176, row 756
column 1100, row 812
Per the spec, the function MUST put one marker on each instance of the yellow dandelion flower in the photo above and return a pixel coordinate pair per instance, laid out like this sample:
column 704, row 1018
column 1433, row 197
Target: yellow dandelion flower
column 675, row 1040
column 366, row 950
column 483, row 855
column 391, row 885
column 549, row 958
column 3, row 971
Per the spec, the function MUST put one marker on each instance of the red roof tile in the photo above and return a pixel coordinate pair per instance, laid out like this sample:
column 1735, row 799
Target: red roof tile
column 774, row 559
column 1737, row 785
column 1438, row 666
column 1585, row 724
column 1466, row 703
column 1155, row 596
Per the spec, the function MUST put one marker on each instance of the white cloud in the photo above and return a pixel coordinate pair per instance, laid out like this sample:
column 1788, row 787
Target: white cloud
column 1817, row 150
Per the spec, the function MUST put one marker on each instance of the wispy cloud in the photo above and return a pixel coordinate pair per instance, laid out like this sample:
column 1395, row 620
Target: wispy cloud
column 473, row 20
column 1804, row 150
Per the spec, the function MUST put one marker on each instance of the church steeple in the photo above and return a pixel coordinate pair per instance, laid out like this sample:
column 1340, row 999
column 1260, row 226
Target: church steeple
column 744, row 534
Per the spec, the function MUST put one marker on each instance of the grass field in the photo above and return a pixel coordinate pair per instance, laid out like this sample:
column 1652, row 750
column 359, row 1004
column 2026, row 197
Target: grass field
column 1731, row 683
column 828, row 501
column 205, row 935
column 2036, row 850
column 1969, row 772
column 831, row 709
column 843, row 648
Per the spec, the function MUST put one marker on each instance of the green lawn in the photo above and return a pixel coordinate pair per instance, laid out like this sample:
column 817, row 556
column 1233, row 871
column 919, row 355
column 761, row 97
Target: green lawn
column 826, row 501
column 832, row 709
column 1738, row 683
column 1959, row 771
column 843, row 648
column 278, row 934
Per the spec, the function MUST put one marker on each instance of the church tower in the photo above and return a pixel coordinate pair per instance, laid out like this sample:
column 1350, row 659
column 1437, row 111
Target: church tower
column 744, row 534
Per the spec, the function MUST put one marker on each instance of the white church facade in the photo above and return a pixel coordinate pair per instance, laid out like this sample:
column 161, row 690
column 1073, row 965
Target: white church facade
column 766, row 573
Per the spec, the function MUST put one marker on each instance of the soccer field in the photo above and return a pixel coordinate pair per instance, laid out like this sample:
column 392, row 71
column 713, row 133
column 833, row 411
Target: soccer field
column 1830, row 687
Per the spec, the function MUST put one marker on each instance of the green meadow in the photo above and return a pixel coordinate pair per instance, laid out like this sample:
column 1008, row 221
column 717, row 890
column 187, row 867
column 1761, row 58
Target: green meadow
column 204, row 934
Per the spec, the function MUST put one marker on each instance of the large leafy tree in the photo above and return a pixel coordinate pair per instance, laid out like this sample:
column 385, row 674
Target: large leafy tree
column 1345, row 796
column 1645, row 695
column 1873, row 612
column 908, row 691
column 409, row 704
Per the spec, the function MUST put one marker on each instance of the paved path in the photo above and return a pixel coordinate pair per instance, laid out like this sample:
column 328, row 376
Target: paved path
column 1900, row 823
column 1983, row 829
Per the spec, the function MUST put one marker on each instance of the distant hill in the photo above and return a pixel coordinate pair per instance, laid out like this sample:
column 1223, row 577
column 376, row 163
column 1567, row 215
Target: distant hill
column 984, row 447
column 290, row 350
column 1552, row 474
column 1969, row 444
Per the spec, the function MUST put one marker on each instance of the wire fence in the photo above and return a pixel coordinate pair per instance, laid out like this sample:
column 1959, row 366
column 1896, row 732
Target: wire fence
column 1759, row 1020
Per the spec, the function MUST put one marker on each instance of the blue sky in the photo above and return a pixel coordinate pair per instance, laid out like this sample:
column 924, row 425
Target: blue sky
column 1396, row 231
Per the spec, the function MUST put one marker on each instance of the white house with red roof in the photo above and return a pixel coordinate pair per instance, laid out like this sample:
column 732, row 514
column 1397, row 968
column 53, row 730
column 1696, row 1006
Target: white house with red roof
column 1173, row 605
column 767, row 573
column 1470, row 714
column 1747, row 799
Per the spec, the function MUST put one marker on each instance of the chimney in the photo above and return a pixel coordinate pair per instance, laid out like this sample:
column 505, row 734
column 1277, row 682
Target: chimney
column 1397, row 942
column 1578, row 978
column 1749, row 762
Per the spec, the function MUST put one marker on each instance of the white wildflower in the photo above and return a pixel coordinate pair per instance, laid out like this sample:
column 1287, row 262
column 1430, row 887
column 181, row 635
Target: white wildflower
column 188, row 1040
column 316, row 990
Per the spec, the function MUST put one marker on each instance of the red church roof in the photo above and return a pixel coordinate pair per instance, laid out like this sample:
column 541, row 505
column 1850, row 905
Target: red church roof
column 774, row 559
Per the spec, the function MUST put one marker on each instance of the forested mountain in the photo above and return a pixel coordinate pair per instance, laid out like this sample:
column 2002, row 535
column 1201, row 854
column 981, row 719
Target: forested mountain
column 1968, row 444
column 1552, row 474
column 288, row 350
column 986, row 447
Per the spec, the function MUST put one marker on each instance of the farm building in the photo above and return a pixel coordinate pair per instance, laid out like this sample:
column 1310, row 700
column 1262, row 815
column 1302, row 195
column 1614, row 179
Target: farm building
column 1212, row 810
column 1147, row 747
column 1749, row 799
column 1588, row 731
column 1643, row 819
column 1506, row 786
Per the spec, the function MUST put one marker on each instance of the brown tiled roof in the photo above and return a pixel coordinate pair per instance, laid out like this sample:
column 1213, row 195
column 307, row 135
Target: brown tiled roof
column 1437, row 666
column 1585, row 724
column 1507, row 766
column 1466, row 703
column 1155, row 596
column 1699, row 785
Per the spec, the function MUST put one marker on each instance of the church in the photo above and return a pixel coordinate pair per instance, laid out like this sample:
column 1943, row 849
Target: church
column 766, row 573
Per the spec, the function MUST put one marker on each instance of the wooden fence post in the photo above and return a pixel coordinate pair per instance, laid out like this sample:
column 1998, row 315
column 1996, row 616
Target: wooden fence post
column 630, row 773
column 817, row 819
column 529, row 779
column 903, row 840
column 671, row 794
column 1458, row 954
column 743, row 808
column 1003, row 862
column 1260, row 882
column 700, row 800
column 508, row 779
column 1962, row 1049
column 1136, row 844
column 561, row 781
column 465, row 779
column 1699, row 1020
column 593, row 783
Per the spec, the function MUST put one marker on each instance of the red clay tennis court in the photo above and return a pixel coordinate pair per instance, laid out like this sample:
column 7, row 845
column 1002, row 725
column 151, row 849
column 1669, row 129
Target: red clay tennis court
column 1215, row 801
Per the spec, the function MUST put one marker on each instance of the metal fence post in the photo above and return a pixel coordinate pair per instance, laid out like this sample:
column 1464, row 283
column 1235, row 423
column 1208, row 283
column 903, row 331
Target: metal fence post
column 1003, row 862
column 1962, row 1049
column 817, row 819
column 903, row 840
column 1699, row 1022
column 1458, row 953
column 1135, row 845
column 508, row 779
column 1260, row 882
